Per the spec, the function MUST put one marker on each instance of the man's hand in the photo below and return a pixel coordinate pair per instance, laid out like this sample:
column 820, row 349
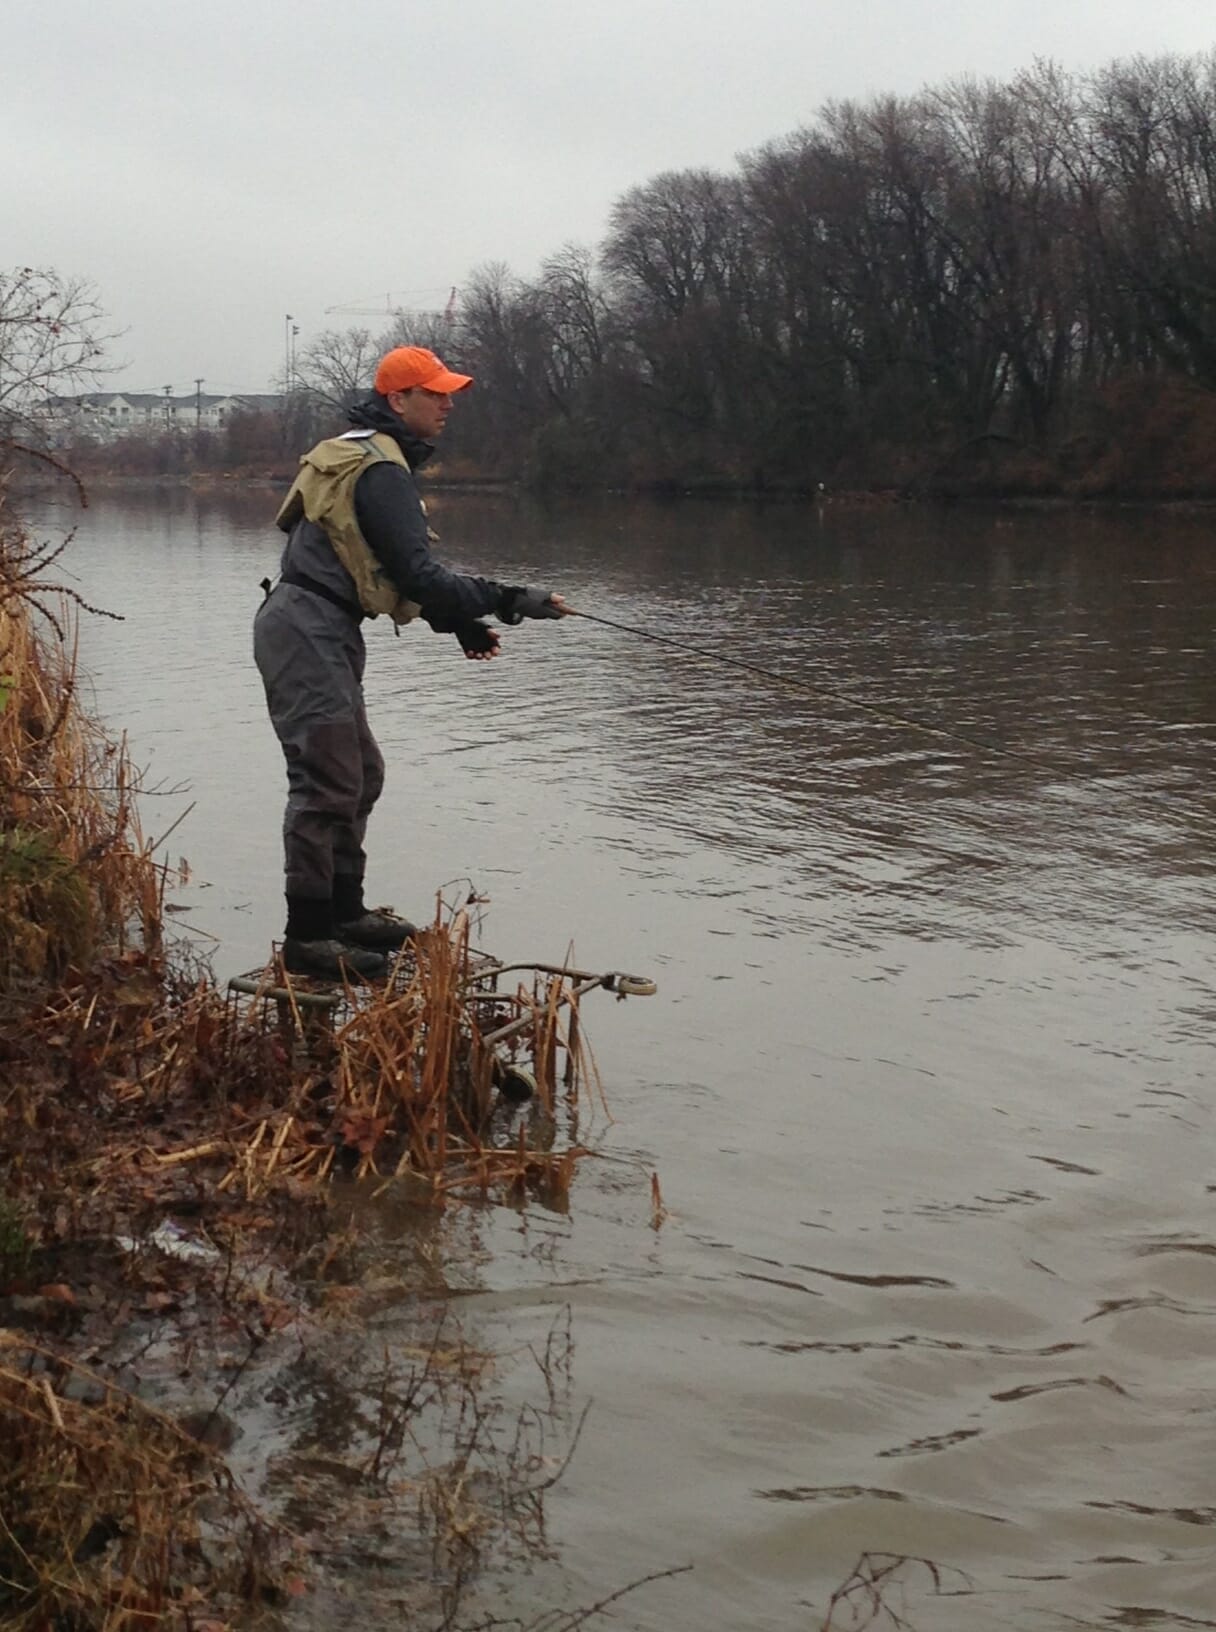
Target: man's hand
column 477, row 639
column 516, row 604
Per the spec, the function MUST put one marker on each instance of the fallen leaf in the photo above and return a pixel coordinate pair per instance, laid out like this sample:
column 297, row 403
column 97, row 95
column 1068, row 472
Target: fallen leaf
column 362, row 1133
column 58, row 1292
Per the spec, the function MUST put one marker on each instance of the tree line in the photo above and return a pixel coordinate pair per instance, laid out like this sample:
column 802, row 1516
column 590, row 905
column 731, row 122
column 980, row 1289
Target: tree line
column 1014, row 278
column 995, row 286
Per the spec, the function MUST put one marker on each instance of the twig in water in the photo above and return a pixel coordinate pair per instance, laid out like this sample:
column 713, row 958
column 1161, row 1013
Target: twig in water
column 546, row 1484
column 256, row 1340
column 862, row 1594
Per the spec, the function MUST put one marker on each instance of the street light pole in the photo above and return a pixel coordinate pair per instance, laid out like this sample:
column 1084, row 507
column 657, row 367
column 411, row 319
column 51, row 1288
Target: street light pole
column 287, row 322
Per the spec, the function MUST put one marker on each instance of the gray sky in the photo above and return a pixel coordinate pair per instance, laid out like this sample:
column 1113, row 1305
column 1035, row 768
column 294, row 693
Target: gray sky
column 214, row 165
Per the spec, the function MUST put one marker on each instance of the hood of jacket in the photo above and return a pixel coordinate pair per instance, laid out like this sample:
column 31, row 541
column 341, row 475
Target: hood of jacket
column 374, row 414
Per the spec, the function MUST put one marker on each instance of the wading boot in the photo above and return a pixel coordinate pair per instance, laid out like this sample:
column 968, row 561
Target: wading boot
column 379, row 931
column 332, row 960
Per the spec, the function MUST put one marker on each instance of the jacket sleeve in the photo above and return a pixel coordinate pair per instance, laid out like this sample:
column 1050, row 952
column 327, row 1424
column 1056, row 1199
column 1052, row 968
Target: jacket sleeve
column 389, row 513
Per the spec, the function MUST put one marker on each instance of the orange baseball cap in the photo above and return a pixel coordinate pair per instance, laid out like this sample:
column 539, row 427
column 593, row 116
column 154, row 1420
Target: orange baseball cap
column 407, row 366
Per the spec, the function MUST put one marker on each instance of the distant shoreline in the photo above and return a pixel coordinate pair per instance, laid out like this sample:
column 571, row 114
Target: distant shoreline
column 660, row 492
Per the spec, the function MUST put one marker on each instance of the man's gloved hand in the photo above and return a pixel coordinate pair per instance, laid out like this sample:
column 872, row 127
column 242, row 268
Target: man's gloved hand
column 477, row 639
column 514, row 605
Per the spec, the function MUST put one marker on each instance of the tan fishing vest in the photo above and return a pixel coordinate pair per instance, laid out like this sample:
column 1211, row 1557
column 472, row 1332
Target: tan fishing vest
column 324, row 491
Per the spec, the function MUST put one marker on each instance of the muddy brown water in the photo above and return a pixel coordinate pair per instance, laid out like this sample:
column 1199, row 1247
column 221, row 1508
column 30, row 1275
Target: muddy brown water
column 928, row 1081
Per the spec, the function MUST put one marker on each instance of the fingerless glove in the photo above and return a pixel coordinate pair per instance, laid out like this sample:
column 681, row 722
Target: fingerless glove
column 516, row 604
column 475, row 638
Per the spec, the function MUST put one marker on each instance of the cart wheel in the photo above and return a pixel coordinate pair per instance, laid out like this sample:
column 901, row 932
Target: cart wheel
column 514, row 1082
column 633, row 986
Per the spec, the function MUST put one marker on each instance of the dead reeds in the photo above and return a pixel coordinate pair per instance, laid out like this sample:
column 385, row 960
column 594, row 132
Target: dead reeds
column 410, row 1082
column 74, row 869
column 112, row 1516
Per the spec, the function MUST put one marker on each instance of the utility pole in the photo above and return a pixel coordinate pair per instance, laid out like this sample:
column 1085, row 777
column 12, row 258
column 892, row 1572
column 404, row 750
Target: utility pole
column 168, row 407
column 198, row 403
column 287, row 322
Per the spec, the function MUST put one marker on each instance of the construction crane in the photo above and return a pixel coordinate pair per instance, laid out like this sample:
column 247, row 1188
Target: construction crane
column 387, row 310
column 399, row 310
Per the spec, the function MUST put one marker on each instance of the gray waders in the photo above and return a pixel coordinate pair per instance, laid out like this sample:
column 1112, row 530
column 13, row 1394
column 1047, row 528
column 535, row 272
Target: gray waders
column 310, row 655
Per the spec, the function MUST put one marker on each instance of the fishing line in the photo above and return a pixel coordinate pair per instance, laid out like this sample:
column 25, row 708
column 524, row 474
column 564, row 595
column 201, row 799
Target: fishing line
column 806, row 685
column 847, row 701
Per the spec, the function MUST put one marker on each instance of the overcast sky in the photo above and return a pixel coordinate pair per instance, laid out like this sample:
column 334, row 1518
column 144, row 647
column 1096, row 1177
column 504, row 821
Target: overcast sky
column 214, row 165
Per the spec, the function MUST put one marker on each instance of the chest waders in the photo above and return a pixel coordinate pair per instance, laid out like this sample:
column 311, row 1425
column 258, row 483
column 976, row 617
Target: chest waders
column 309, row 650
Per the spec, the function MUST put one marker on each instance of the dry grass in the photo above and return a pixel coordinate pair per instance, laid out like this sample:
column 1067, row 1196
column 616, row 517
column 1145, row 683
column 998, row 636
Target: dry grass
column 74, row 869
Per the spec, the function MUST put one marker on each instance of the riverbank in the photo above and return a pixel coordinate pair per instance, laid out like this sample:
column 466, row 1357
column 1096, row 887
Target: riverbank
column 188, row 1394
column 818, row 497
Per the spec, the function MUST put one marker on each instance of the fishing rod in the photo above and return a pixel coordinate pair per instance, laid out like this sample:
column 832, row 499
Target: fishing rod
column 805, row 685
column 847, row 701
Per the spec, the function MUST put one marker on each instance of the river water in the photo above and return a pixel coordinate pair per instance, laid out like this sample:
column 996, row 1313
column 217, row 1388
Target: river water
column 928, row 1081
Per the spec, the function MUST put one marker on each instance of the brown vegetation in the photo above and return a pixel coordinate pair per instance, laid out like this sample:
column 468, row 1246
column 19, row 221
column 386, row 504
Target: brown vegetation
column 164, row 1159
column 256, row 443
column 111, row 1514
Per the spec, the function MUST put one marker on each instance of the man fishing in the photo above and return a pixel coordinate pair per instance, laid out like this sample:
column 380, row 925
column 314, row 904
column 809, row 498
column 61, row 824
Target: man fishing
column 358, row 545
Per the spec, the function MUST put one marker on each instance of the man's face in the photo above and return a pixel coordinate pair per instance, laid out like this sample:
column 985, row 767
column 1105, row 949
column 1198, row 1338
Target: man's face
column 422, row 412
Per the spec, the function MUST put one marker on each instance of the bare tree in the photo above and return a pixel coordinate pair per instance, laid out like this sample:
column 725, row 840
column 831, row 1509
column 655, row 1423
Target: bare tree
column 680, row 268
column 1152, row 129
column 337, row 367
column 52, row 343
column 578, row 316
column 506, row 346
